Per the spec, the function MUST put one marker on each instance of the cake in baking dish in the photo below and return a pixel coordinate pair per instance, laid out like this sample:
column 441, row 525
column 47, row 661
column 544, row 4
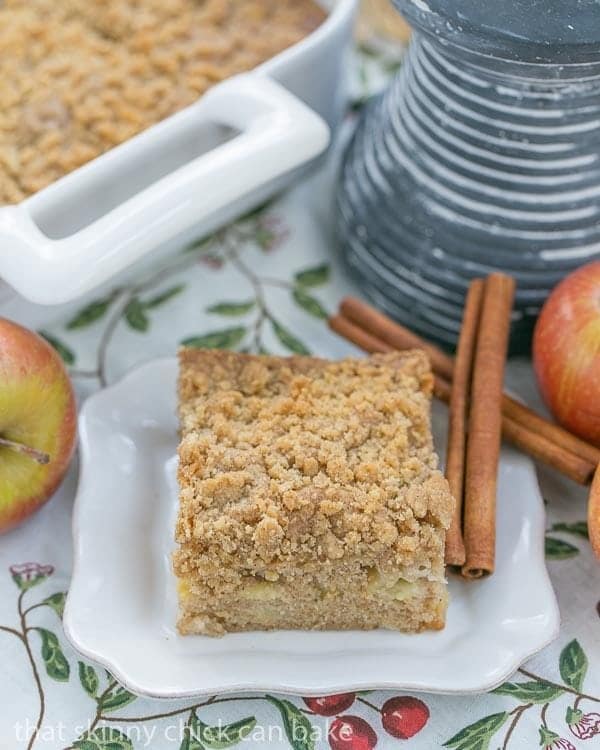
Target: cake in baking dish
column 81, row 76
column 309, row 494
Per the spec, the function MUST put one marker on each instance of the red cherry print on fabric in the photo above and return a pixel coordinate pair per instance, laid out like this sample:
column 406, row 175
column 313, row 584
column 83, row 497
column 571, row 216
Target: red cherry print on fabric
column 330, row 705
column 404, row 716
column 351, row 733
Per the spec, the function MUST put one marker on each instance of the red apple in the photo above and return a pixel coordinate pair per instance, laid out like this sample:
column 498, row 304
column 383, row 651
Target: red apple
column 594, row 515
column 566, row 352
column 38, row 420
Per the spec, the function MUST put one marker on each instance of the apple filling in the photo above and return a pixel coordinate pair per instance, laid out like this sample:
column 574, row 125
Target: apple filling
column 263, row 591
column 389, row 586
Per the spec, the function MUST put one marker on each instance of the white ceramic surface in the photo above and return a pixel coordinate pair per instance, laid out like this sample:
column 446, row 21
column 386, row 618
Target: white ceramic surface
column 121, row 605
column 184, row 177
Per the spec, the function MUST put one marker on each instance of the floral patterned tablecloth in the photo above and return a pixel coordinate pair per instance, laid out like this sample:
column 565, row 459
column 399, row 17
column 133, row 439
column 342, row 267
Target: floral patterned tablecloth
column 263, row 284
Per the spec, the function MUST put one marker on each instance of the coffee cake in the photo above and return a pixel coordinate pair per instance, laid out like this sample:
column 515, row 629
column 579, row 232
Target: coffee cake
column 309, row 494
column 80, row 77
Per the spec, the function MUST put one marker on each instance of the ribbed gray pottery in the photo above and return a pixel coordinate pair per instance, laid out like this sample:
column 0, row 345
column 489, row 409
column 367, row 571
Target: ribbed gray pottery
column 484, row 154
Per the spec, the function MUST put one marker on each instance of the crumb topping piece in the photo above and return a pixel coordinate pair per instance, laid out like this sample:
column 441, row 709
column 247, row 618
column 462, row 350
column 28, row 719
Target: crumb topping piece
column 298, row 460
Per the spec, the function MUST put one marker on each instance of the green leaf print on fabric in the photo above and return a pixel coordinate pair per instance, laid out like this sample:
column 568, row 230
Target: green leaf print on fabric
column 578, row 528
column 288, row 340
column 104, row 738
column 56, row 602
column 309, row 303
column 477, row 736
column 529, row 692
column 222, row 737
column 228, row 338
column 573, row 665
column 231, row 309
column 116, row 698
column 163, row 297
column 135, row 315
column 556, row 549
column 56, row 665
column 88, row 679
column 298, row 728
column 90, row 313
column 315, row 276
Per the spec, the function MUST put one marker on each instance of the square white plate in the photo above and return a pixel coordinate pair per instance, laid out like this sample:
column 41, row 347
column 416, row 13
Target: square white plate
column 121, row 607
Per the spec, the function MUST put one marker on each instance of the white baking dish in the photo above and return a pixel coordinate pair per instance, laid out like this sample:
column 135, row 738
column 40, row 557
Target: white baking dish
column 184, row 177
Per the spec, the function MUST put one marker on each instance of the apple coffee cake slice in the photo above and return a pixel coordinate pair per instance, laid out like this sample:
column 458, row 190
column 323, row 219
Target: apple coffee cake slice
column 309, row 494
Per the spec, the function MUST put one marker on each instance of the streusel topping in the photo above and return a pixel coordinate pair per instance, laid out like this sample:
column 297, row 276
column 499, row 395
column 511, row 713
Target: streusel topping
column 298, row 459
column 81, row 76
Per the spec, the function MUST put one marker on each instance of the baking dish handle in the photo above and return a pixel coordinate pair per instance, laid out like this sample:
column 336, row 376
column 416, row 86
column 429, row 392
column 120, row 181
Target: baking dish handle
column 275, row 133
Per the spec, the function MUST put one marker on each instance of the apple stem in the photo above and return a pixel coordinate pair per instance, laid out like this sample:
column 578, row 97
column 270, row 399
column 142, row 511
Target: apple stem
column 26, row 450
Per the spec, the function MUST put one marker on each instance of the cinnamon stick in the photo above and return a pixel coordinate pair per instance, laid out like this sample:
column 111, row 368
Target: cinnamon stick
column 457, row 419
column 387, row 330
column 594, row 514
column 366, row 341
column 541, row 449
column 537, row 446
column 485, row 426
column 552, row 432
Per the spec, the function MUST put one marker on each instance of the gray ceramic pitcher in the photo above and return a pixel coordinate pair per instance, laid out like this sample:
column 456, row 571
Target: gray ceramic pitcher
column 484, row 154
